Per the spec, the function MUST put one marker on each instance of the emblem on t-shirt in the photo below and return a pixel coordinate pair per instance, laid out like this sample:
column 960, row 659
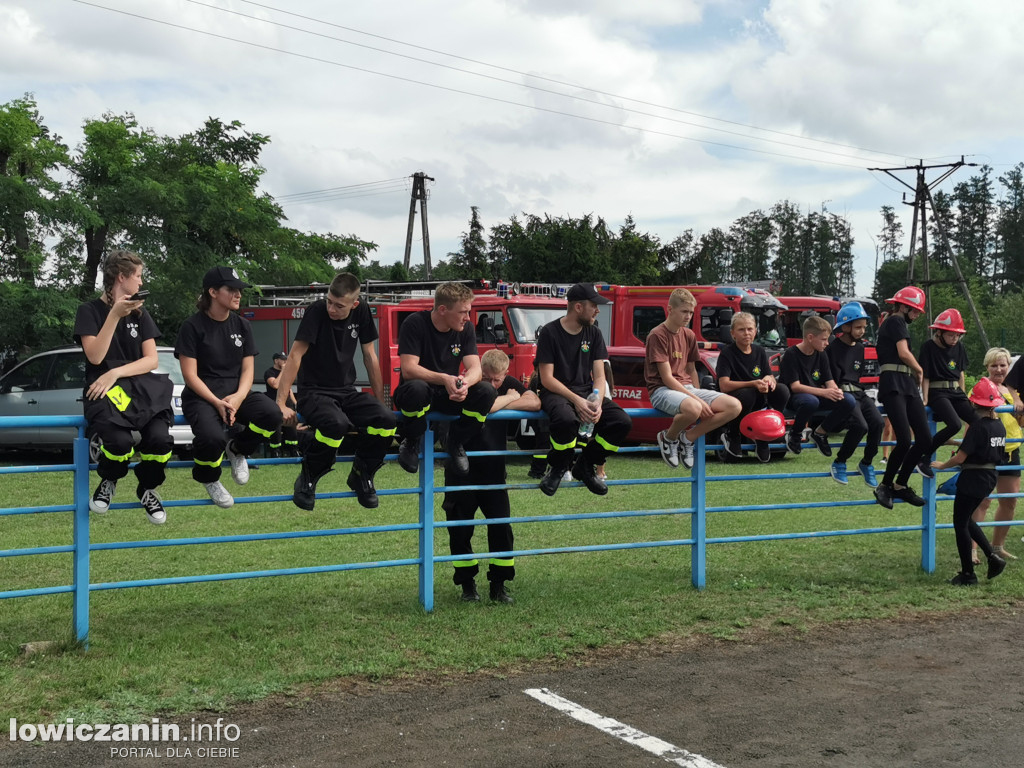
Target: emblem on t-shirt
column 133, row 330
column 815, row 375
column 238, row 339
column 677, row 354
column 354, row 330
column 456, row 350
column 952, row 365
column 585, row 346
column 856, row 365
column 757, row 370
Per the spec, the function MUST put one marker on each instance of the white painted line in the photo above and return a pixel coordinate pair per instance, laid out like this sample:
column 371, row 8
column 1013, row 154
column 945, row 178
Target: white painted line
column 655, row 746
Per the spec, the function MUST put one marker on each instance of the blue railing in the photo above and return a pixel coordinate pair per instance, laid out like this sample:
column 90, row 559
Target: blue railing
column 426, row 490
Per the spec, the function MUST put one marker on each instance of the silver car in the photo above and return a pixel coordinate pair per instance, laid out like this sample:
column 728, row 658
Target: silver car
column 51, row 384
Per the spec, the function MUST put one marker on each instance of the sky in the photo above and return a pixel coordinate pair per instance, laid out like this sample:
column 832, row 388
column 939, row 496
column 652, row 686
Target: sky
column 684, row 114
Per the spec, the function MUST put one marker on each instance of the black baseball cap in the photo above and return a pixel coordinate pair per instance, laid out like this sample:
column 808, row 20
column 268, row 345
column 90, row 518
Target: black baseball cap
column 280, row 356
column 218, row 276
column 585, row 292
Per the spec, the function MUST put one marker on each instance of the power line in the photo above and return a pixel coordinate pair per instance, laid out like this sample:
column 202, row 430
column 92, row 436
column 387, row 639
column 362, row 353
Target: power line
column 559, row 82
column 470, row 93
column 398, row 183
column 537, row 88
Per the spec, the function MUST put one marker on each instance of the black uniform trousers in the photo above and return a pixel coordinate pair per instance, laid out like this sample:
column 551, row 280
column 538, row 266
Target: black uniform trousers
column 913, row 435
column 256, row 419
column 462, row 505
column 154, row 450
column 867, row 420
column 949, row 406
column 416, row 398
column 966, row 530
column 609, row 432
column 331, row 415
column 751, row 400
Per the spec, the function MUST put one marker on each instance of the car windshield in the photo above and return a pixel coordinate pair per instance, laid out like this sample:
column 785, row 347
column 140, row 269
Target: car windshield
column 169, row 364
column 527, row 321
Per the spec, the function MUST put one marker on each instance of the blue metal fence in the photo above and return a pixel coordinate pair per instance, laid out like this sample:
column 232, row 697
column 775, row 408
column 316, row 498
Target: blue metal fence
column 425, row 558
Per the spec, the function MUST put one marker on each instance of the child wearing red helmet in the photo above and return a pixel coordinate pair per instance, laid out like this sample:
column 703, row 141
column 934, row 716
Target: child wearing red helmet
column 944, row 360
column 899, row 384
column 979, row 453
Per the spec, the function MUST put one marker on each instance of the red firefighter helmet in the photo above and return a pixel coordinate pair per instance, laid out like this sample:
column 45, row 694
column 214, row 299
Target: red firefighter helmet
column 986, row 394
column 912, row 296
column 764, row 425
column 949, row 320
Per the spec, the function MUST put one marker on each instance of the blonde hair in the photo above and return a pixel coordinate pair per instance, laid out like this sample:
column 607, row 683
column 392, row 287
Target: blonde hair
column 679, row 297
column 995, row 353
column 449, row 294
column 742, row 317
column 494, row 360
column 816, row 324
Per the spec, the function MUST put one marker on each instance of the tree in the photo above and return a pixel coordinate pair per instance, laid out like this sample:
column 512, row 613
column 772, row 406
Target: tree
column 1009, row 268
column 753, row 240
column 677, row 260
column 890, row 238
column 634, row 256
column 471, row 260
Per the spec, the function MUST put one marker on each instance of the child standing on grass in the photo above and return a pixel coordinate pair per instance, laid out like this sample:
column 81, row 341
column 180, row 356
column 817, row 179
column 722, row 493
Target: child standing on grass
column 979, row 453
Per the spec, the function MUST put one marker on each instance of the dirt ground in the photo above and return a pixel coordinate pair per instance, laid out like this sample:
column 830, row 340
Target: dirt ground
column 939, row 691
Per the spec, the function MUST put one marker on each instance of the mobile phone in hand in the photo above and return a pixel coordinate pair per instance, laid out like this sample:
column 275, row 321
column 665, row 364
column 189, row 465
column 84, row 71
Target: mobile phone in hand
column 139, row 296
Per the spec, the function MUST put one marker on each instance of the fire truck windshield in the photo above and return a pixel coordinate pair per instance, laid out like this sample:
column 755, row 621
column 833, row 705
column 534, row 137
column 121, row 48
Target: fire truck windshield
column 527, row 321
column 770, row 332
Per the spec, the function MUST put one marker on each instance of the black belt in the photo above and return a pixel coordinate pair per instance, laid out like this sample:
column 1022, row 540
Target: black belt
column 851, row 388
column 977, row 466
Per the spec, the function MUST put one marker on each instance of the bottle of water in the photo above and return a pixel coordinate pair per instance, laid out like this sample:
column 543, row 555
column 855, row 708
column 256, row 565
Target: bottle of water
column 587, row 427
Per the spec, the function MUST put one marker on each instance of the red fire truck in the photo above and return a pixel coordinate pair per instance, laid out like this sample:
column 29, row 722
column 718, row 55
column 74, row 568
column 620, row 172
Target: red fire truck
column 799, row 308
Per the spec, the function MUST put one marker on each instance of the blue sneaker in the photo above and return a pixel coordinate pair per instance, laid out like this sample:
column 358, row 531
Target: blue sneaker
column 868, row 473
column 838, row 472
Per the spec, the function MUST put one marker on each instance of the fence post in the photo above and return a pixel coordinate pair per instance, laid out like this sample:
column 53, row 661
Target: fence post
column 929, row 512
column 427, row 521
column 698, row 530
column 80, row 557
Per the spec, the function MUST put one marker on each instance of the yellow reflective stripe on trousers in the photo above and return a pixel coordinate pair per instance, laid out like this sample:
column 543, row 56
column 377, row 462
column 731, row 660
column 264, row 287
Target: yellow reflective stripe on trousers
column 258, row 431
column 501, row 561
column 606, row 445
column 115, row 457
column 382, row 432
column 215, row 463
column 291, row 442
column 563, row 446
column 322, row 438
column 465, row 563
column 160, row 458
column 415, row 414
column 481, row 417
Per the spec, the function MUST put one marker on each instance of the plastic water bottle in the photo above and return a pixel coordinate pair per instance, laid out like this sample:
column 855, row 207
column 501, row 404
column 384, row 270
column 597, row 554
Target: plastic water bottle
column 587, row 427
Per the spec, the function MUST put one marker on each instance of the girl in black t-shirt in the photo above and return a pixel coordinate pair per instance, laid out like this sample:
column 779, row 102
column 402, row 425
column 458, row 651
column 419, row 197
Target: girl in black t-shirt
column 980, row 452
column 217, row 354
column 122, row 393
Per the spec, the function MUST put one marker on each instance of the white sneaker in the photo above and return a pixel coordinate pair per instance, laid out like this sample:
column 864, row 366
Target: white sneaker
column 686, row 451
column 219, row 494
column 154, row 507
column 669, row 450
column 567, row 477
column 100, row 501
column 239, row 466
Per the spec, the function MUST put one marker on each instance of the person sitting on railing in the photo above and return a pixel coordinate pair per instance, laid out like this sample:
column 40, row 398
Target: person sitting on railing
column 217, row 352
column 745, row 373
column 980, row 451
column 806, row 370
column 321, row 358
column 285, row 441
column 434, row 346
column 944, row 362
column 846, row 354
column 487, row 470
column 670, row 370
column 570, row 355
column 122, row 393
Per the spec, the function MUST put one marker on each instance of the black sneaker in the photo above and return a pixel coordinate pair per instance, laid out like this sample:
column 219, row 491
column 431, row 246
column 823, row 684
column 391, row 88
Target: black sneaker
column 964, row 580
column 732, row 445
column 552, row 479
column 763, row 450
column 537, row 468
column 584, row 471
column 995, row 565
column 409, row 455
column 883, row 495
column 362, row 484
column 924, row 468
column 821, row 441
column 469, row 593
column 499, row 594
column 458, row 461
column 155, row 513
column 100, row 501
column 908, row 495
column 793, row 443
column 304, row 491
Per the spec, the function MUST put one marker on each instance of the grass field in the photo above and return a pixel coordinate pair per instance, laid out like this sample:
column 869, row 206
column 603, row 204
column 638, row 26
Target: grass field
column 207, row 646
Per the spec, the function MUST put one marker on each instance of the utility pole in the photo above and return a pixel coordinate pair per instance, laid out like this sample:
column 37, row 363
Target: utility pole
column 922, row 200
column 419, row 192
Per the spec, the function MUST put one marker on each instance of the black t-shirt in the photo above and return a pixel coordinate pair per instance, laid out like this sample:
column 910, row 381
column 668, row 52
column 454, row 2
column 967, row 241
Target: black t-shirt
column 1015, row 378
column 847, row 362
column 573, row 356
column 492, row 437
column 984, row 443
column 218, row 348
column 812, row 370
column 125, row 344
column 737, row 366
column 438, row 351
column 893, row 330
column 329, row 363
column 273, row 373
column 942, row 363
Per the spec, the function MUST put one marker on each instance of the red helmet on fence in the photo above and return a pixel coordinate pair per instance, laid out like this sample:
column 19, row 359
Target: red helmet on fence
column 912, row 296
column 949, row 320
column 986, row 394
column 764, row 425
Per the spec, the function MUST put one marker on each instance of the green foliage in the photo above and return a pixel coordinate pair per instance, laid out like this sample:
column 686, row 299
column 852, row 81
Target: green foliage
column 35, row 318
